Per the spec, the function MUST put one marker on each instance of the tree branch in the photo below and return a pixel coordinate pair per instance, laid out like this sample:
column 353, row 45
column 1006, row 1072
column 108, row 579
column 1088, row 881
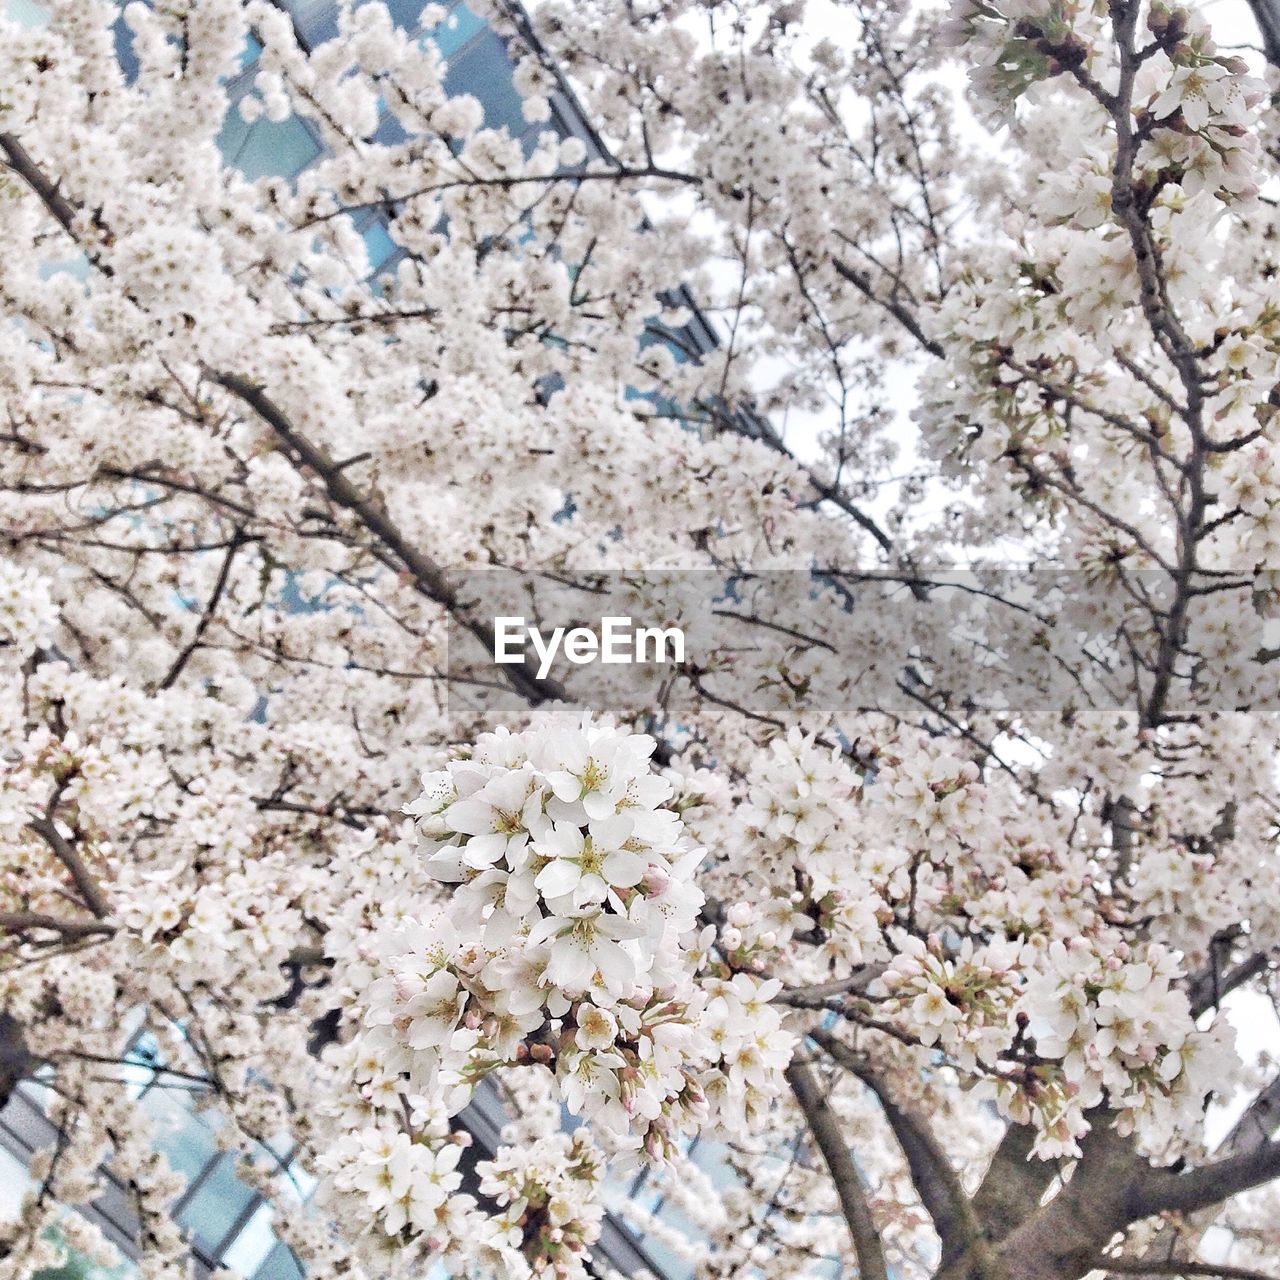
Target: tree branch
column 825, row 1130
column 1173, row 1267
column 19, row 160
column 1207, row 1185
column 964, row 1244
column 25, row 921
column 821, row 995
column 429, row 578
column 1257, row 1125
column 206, row 616
column 1208, row 988
column 16, row 1061
column 1011, row 1189
column 68, row 855
column 862, row 282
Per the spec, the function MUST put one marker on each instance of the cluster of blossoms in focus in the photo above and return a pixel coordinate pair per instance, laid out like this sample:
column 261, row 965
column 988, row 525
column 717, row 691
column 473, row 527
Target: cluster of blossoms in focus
column 572, row 943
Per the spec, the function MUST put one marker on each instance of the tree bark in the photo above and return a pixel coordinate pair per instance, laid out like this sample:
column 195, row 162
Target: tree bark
column 16, row 1063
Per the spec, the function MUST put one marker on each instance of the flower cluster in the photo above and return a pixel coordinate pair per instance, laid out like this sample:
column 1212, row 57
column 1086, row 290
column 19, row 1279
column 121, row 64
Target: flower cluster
column 937, row 799
column 1116, row 1027
column 1196, row 106
column 805, row 823
column 962, row 1002
column 27, row 613
column 570, row 942
column 548, row 1193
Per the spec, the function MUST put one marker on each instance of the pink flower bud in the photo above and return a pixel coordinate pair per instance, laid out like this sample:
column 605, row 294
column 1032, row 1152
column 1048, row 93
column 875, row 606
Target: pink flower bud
column 656, row 881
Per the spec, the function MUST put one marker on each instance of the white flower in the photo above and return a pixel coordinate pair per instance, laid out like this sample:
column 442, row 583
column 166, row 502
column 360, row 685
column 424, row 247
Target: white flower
column 597, row 1028
column 496, row 818
column 586, row 944
column 587, row 866
column 1201, row 91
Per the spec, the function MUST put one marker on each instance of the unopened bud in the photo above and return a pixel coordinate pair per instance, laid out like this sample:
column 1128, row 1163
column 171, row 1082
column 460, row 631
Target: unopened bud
column 656, row 881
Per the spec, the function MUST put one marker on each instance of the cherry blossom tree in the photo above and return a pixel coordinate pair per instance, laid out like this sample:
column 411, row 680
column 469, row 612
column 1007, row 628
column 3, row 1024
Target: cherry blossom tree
column 926, row 910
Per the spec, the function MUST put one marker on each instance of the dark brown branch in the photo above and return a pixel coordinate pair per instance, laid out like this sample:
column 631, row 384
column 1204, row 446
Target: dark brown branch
column 428, row 577
column 1208, row 988
column 1060, row 1239
column 1014, row 1183
column 1207, row 1185
column 505, row 182
column 1258, row 1123
column 16, row 1061
column 862, row 282
column 69, row 856
column 965, row 1250
column 19, row 160
column 26, row 921
column 224, row 575
column 822, row 994
column 825, row 1130
column 1174, row 1267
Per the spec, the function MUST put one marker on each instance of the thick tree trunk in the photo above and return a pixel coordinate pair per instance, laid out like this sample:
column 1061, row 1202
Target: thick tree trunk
column 1062, row 1239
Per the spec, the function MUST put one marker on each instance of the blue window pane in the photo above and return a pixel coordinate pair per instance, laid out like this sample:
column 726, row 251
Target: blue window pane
column 671, row 1264
column 26, row 13
column 280, row 1265
column 185, row 1140
column 252, row 1244
column 710, row 1158
column 232, row 135
column 266, row 148
column 484, row 71
column 123, row 38
column 404, row 13
column 77, row 267
column 380, row 244
column 454, row 30
column 14, row 1181
column 216, row 1205
column 297, row 1182
column 79, row 1266
column 389, row 130
column 677, row 341
column 316, row 19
